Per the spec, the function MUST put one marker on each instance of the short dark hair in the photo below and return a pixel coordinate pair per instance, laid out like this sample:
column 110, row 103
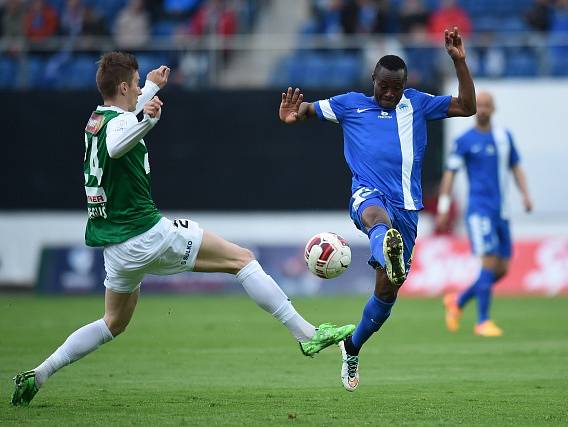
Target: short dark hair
column 391, row 63
column 115, row 68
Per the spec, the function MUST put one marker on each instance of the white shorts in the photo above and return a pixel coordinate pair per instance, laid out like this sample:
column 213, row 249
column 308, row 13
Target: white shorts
column 169, row 247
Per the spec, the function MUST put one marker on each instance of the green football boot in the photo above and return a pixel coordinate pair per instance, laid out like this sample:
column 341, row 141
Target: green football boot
column 25, row 388
column 326, row 335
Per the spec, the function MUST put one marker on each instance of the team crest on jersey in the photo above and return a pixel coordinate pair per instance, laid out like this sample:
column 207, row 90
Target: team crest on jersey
column 95, row 123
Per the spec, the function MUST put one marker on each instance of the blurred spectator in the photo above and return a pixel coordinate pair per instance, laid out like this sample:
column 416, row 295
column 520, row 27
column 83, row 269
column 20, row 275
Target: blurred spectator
column 412, row 15
column 538, row 17
column 40, row 21
column 364, row 17
column 132, row 26
column 488, row 59
column 422, row 58
column 156, row 9
column 449, row 15
column 13, row 19
column 93, row 23
column 214, row 17
column 71, row 22
column 327, row 15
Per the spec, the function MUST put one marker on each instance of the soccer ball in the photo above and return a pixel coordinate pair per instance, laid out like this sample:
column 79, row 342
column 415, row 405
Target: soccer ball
column 327, row 255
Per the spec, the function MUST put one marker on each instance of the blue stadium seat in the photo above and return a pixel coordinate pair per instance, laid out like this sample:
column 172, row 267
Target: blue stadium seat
column 558, row 61
column 80, row 73
column 108, row 8
column 35, row 72
column 280, row 75
column 310, row 70
column 521, row 63
column 486, row 23
column 514, row 24
column 149, row 61
column 164, row 28
column 316, row 69
column 345, row 70
column 8, row 72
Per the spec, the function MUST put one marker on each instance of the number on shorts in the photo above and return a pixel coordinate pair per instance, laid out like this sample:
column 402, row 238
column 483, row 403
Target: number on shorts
column 181, row 223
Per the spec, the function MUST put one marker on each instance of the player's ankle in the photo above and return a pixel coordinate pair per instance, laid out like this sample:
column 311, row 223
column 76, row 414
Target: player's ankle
column 350, row 348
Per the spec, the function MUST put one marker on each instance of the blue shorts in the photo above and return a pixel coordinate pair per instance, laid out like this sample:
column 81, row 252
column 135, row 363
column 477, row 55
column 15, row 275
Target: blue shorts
column 489, row 234
column 406, row 222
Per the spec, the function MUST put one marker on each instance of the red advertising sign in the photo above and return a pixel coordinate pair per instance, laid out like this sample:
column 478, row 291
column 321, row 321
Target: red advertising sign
column 442, row 264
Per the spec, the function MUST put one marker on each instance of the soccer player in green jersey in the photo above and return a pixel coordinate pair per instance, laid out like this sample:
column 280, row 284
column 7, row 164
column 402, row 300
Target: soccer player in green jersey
column 137, row 240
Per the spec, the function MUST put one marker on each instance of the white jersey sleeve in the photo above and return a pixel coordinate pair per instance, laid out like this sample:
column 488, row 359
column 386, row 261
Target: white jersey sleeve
column 125, row 131
column 148, row 91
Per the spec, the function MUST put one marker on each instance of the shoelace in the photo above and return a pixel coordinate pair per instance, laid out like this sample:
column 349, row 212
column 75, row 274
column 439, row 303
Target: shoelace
column 352, row 363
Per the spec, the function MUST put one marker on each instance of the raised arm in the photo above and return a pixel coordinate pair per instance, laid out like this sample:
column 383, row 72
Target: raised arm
column 464, row 104
column 155, row 80
column 521, row 180
column 445, row 199
column 125, row 131
column 293, row 109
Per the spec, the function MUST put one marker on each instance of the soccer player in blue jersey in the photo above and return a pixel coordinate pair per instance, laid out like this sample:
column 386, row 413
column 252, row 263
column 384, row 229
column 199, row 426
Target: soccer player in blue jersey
column 488, row 155
column 384, row 143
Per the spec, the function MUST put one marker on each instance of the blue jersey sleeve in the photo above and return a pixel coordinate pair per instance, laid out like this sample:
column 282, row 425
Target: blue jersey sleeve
column 435, row 107
column 457, row 156
column 514, row 158
column 332, row 109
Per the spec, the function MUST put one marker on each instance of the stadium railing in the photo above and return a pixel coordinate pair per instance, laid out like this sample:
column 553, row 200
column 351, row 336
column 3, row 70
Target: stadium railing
column 276, row 60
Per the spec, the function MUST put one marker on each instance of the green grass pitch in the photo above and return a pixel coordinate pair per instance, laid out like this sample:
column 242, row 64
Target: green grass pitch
column 222, row 361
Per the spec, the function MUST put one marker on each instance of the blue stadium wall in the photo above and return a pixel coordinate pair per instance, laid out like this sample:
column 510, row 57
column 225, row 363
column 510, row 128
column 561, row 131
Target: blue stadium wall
column 212, row 150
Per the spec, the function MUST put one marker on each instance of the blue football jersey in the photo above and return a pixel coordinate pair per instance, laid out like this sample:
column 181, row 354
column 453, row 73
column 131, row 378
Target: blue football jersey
column 384, row 148
column 488, row 158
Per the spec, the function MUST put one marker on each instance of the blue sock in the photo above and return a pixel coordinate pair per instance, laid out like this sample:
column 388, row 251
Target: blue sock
column 466, row 295
column 376, row 312
column 479, row 287
column 376, row 238
column 483, row 294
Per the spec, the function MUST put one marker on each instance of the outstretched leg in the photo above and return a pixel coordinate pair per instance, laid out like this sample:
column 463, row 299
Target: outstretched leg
column 218, row 255
column 119, row 308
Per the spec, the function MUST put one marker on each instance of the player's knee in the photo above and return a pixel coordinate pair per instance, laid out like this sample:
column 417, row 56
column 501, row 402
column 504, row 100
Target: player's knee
column 373, row 216
column 116, row 326
column 242, row 259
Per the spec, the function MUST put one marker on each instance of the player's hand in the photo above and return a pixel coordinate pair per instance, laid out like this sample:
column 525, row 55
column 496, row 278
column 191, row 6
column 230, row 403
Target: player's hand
column 454, row 44
column 159, row 76
column 527, row 203
column 153, row 108
column 290, row 105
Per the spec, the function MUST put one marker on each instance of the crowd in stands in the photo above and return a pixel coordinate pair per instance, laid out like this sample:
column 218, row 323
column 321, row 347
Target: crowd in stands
column 489, row 26
column 109, row 24
column 126, row 20
column 413, row 27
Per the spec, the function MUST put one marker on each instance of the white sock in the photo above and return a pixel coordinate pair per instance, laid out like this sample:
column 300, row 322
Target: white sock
column 268, row 295
column 80, row 343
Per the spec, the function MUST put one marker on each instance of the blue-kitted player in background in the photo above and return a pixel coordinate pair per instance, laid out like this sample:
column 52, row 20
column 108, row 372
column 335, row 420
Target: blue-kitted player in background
column 384, row 143
column 488, row 154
